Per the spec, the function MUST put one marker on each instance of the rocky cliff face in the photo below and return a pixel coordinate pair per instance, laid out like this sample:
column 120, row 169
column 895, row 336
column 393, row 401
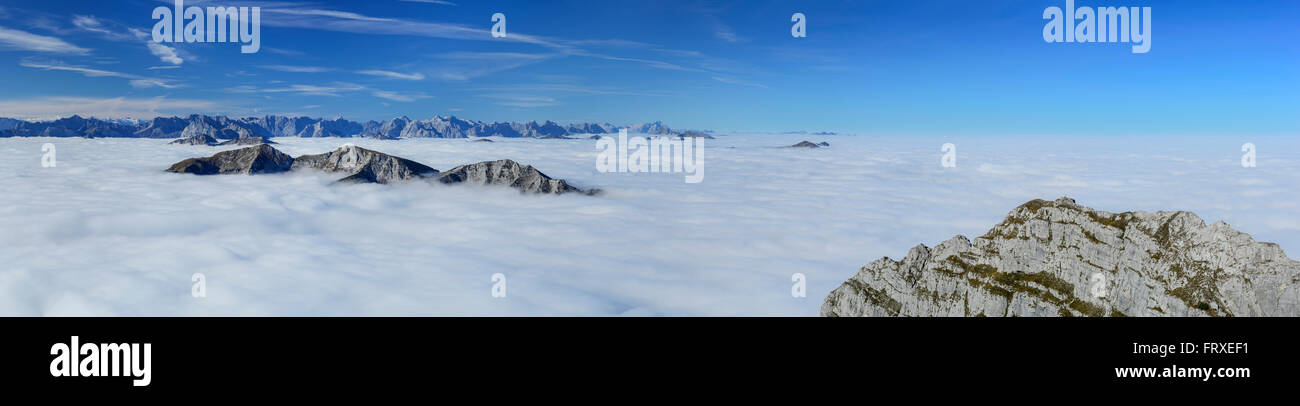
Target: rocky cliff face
column 810, row 145
column 364, row 165
column 261, row 159
column 197, row 139
column 511, row 173
column 246, row 141
column 1057, row 258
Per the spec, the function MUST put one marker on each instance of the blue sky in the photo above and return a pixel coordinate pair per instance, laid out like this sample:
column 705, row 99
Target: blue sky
column 869, row 67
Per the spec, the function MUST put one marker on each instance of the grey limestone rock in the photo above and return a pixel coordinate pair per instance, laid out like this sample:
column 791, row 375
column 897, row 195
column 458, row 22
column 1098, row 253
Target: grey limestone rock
column 364, row 165
column 1057, row 258
column 261, row 159
column 510, row 173
column 810, row 145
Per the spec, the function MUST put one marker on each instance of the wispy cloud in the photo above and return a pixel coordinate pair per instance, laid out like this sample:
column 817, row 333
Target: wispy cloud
column 46, row 108
column 295, row 69
column 461, row 66
column 117, row 32
column 609, row 43
column 295, row 16
column 442, row 2
column 725, row 33
column 26, row 41
column 165, row 53
column 651, row 63
column 134, row 80
column 282, row 51
column 308, row 16
column 334, row 89
column 393, row 75
column 567, row 88
column 92, row 24
column 735, row 81
column 399, row 97
column 523, row 101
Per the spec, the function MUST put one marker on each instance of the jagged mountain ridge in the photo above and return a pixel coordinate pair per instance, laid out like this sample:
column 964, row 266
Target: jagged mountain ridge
column 7, row 123
column 511, row 173
column 1057, row 258
column 367, row 166
column 364, row 165
column 226, row 128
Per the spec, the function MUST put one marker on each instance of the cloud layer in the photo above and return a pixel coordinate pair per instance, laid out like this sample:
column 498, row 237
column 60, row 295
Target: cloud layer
column 106, row 232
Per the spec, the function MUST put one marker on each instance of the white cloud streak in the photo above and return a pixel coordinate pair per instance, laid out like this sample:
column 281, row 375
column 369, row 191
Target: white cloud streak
column 399, row 97
column 296, row 69
column 48, row 108
column 26, row 41
column 442, row 2
column 134, row 80
column 335, row 89
column 735, row 81
column 164, row 53
column 393, row 75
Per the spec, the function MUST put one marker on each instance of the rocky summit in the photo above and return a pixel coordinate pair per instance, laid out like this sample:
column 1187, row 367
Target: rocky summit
column 199, row 139
column 810, row 144
column 246, row 141
column 260, row 159
column 510, row 173
column 203, row 139
column 364, row 165
column 1057, row 258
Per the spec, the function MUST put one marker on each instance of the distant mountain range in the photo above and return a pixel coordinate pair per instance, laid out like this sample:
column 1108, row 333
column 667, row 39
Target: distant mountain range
column 7, row 123
column 226, row 128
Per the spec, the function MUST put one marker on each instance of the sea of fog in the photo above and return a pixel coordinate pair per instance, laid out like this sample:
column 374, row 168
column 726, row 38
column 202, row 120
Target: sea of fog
column 107, row 232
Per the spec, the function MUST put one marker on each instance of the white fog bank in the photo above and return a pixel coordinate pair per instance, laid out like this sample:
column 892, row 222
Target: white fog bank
column 107, row 232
